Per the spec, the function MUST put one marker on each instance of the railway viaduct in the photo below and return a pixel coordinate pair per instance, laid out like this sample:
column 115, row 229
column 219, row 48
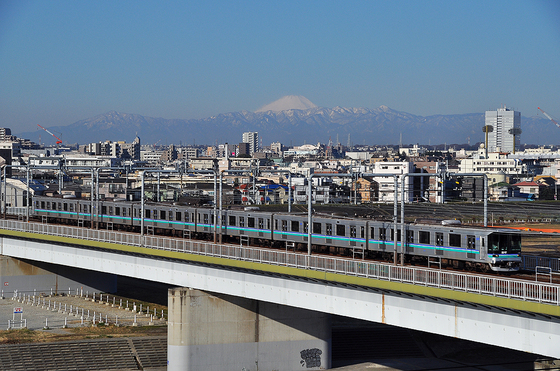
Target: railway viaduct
column 243, row 308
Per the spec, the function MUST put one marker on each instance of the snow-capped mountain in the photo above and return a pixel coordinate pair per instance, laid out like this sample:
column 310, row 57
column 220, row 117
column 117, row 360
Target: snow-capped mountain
column 295, row 126
column 289, row 102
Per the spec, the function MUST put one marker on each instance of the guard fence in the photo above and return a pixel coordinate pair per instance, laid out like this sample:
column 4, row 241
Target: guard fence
column 131, row 314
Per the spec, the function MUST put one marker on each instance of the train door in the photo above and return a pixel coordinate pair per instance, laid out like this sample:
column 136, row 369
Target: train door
column 471, row 246
column 482, row 247
column 439, row 242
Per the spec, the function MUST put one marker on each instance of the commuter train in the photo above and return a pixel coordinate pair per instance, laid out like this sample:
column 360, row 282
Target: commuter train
column 462, row 247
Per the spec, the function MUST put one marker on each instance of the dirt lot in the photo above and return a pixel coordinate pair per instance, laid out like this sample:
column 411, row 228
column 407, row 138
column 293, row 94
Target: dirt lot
column 79, row 333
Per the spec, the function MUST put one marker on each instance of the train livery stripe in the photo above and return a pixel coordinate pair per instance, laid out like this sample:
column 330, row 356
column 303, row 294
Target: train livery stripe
column 277, row 233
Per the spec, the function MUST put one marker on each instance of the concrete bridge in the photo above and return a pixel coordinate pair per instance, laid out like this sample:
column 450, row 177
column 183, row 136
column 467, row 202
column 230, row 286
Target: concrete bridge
column 238, row 307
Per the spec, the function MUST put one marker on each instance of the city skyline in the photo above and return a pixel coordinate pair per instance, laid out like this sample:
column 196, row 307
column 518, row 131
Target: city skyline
column 65, row 61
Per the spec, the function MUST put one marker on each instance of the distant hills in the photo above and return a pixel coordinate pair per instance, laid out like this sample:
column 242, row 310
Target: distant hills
column 279, row 121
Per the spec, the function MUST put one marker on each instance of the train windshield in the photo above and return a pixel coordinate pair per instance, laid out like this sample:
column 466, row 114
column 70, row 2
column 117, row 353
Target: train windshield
column 503, row 243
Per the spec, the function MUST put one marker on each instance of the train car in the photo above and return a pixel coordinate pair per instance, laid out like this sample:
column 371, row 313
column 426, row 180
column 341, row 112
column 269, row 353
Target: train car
column 472, row 247
column 59, row 208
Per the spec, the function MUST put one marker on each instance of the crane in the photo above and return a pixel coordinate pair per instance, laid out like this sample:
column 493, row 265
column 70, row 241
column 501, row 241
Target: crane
column 58, row 141
column 550, row 118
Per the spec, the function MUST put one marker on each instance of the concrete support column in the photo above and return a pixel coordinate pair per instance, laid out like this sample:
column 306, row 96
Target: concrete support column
column 220, row 332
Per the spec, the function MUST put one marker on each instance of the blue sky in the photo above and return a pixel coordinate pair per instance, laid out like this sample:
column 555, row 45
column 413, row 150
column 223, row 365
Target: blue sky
column 63, row 61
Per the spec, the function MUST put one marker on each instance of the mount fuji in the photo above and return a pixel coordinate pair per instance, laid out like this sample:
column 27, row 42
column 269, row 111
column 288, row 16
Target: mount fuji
column 289, row 102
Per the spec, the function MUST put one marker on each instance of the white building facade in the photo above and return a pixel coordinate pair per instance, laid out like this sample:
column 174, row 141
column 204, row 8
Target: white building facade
column 252, row 137
column 505, row 122
column 387, row 184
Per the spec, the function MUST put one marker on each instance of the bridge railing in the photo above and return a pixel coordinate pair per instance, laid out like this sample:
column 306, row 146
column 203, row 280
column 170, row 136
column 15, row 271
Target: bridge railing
column 531, row 262
column 479, row 284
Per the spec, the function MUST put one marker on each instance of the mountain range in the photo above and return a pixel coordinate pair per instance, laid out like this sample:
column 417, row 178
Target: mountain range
column 295, row 120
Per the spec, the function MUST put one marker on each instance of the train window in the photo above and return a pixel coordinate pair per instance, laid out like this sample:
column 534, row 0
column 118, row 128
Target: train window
column 295, row 226
column 178, row 216
column 276, row 225
column 268, row 224
column 424, row 237
column 170, row 215
column 124, row 211
column 439, row 239
column 305, row 227
column 515, row 244
column 261, row 223
column 504, row 243
column 205, row 218
column 110, row 210
column 42, row 204
column 353, row 231
column 454, row 240
column 71, row 207
column 362, row 232
column 135, row 212
column 284, row 225
column 382, row 234
column 232, row 220
column 192, row 217
column 242, row 221
column 317, row 228
column 471, row 242
column 186, row 216
column 85, row 208
column 410, row 236
column 328, row 229
column 250, row 222
column 162, row 214
column 103, row 209
column 118, row 211
column 148, row 213
column 340, row 230
column 65, row 206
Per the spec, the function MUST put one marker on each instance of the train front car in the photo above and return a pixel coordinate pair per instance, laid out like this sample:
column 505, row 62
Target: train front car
column 504, row 251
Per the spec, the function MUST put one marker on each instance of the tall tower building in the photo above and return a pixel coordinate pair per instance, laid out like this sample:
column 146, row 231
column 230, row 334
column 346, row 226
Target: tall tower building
column 252, row 137
column 506, row 130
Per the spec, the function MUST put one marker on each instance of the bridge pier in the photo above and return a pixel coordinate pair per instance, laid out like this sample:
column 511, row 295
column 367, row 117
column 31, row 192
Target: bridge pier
column 209, row 331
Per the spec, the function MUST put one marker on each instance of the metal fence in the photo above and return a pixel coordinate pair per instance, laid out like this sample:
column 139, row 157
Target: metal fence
column 80, row 309
column 485, row 285
column 531, row 262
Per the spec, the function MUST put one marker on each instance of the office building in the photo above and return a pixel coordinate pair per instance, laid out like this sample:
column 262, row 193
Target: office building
column 506, row 130
column 252, row 138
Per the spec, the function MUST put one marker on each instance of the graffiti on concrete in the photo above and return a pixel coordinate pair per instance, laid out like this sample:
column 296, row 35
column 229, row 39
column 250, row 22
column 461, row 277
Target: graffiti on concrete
column 311, row 358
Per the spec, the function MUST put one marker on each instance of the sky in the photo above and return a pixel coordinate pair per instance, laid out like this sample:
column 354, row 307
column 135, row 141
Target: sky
column 65, row 61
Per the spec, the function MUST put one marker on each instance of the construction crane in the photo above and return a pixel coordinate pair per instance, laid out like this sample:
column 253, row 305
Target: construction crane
column 58, row 141
column 550, row 118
